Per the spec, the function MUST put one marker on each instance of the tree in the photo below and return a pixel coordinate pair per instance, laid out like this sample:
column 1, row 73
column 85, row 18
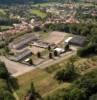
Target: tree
column 50, row 55
column 66, row 47
column 32, row 89
column 6, row 95
column 3, row 71
column 67, row 74
column 37, row 28
column 39, row 55
column 88, row 82
column 77, row 94
column 7, row 50
column 56, row 53
column 2, row 44
column 88, row 50
column 30, row 61
column 49, row 48
column 32, row 94
column 93, row 97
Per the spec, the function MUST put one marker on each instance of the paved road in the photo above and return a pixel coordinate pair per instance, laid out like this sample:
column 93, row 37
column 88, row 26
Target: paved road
column 56, row 60
column 14, row 67
column 17, row 69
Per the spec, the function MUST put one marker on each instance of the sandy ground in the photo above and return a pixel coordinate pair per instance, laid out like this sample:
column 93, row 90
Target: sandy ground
column 55, row 37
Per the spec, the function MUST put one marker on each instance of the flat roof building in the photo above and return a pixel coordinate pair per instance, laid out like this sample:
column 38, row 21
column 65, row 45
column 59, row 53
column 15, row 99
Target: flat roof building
column 78, row 41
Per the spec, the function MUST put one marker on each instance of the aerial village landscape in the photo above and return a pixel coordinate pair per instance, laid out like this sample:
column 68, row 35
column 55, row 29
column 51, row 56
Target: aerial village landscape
column 47, row 49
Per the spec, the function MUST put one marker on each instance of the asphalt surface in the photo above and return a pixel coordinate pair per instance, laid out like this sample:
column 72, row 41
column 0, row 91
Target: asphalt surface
column 16, row 69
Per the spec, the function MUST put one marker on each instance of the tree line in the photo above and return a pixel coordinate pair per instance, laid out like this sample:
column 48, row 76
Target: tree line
column 6, row 82
column 20, row 1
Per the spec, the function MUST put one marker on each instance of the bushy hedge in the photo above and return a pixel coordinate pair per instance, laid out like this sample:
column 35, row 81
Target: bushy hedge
column 88, row 50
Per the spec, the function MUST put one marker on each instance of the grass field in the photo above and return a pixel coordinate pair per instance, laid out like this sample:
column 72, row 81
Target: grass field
column 44, row 80
column 38, row 13
column 2, row 13
column 42, row 4
column 40, row 78
column 5, row 27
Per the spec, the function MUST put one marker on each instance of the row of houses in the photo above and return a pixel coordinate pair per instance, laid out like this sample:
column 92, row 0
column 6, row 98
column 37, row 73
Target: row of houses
column 16, row 29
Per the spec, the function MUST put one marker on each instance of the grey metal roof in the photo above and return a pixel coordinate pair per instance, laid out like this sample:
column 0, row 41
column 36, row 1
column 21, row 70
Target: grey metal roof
column 23, row 55
column 78, row 40
column 23, row 40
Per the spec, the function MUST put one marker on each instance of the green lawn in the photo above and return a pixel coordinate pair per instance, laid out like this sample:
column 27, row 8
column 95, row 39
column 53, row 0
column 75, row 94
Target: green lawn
column 5, row 27
column 42, row 4
column 38, row 13
column 2, row 13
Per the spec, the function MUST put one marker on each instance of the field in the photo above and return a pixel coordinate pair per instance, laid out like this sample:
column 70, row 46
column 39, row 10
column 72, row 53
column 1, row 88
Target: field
column 40, row 77
column 5, row 27
column 38, row 13
column 42, row 4
column 2, row 13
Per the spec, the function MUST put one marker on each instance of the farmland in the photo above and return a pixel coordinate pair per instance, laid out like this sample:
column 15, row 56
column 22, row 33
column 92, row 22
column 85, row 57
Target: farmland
column 38, row 12
column 42, row 4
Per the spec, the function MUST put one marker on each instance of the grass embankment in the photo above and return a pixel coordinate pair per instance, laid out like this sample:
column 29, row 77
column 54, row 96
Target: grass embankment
column 44, row 80
column 38, row 12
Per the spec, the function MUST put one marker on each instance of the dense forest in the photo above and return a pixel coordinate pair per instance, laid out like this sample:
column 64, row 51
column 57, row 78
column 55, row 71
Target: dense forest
column 20, row 1
column 34, row 1
column 37, row 1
